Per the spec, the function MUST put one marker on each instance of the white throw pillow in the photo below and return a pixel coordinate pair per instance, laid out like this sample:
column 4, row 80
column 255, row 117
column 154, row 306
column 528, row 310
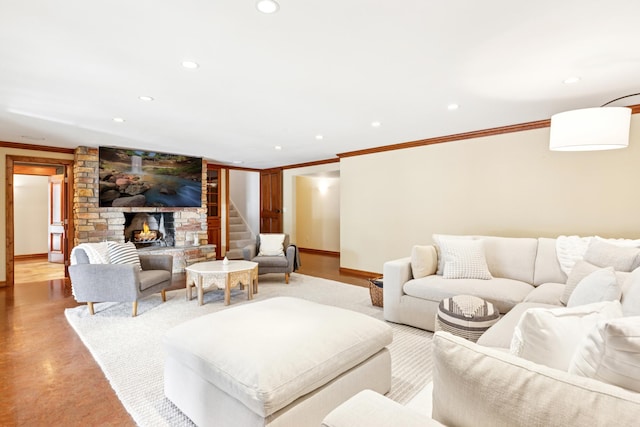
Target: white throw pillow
column 436, row 240
column 271, row 245
column 550, row 336
column 631, row 294
column 423, row 261
column 605, row 254
column 123, row 254
column 611, row 353
column 464, row 259
column 601, row 285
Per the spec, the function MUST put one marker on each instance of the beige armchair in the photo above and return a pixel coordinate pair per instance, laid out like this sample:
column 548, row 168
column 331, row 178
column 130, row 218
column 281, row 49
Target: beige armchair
column 285, row 263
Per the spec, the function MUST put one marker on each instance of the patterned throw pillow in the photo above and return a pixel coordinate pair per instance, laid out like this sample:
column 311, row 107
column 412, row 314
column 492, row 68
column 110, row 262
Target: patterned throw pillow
column 124, row 254
column 464, row 259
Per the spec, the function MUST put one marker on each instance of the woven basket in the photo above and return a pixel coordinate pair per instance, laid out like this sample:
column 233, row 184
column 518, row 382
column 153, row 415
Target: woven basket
column 375, row 290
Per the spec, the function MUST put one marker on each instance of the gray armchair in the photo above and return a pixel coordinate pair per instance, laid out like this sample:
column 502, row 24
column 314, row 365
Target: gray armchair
column 273, row 264
column 120, row 282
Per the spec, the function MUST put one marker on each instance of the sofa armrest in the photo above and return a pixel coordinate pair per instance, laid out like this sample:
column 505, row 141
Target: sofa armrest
column 396, row 273
column 475, row 385
column 105, row 282
column 156, row 262
column 370, row 409
column 249, row 252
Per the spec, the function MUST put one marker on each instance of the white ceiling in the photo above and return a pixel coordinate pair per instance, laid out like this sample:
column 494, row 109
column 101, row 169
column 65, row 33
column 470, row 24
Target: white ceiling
column 329, row 67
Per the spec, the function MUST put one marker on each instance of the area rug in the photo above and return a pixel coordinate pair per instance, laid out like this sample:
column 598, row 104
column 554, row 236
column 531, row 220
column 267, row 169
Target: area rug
column 129, row 350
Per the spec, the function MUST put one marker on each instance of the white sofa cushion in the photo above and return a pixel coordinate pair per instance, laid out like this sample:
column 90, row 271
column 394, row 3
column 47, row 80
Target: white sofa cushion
column 631, row 294
column 611, row 353
column 464, row 259
column 547, row 267
column 504, row 294
column 424, row 261
column 604, row 254
column 511, row 257
column 550, row 336
column 475, row 385
column 601, row 285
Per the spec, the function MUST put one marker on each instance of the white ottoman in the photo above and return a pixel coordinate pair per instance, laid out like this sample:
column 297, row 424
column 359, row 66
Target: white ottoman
column 279, row 362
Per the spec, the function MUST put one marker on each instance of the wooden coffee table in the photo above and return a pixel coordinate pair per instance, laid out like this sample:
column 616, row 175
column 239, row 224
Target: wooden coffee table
column 217, row 275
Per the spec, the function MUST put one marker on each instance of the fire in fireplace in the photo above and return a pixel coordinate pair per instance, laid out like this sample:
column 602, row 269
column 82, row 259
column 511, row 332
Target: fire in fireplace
column 150, row 229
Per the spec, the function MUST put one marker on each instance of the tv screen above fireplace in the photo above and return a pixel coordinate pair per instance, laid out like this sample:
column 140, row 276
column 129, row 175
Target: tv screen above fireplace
column 135, row 178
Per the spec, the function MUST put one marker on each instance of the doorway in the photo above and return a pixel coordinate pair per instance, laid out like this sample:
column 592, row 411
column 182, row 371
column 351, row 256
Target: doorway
column 60, row 178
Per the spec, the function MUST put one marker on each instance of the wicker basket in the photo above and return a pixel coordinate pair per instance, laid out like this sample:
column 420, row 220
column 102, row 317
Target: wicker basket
column 375, row 290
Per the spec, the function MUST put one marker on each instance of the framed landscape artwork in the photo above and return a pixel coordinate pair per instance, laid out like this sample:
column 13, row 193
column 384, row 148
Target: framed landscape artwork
column 135, row 178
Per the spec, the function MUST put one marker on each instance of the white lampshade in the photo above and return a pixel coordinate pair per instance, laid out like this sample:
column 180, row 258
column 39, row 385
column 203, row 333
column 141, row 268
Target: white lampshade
column 589, row 129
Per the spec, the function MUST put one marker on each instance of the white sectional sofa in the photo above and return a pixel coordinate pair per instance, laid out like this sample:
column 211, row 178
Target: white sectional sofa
column 496, row 383
column 523, row 270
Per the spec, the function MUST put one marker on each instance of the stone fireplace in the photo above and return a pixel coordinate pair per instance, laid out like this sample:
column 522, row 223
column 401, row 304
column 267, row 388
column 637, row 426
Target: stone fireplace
column 96, row 224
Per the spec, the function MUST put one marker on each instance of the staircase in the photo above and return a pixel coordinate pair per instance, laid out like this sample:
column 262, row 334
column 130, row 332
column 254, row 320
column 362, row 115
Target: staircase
column 239, row 234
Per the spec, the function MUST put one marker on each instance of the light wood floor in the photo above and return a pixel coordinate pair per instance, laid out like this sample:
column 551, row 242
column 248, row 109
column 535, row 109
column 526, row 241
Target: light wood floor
column 47, row 376
column 34, row 270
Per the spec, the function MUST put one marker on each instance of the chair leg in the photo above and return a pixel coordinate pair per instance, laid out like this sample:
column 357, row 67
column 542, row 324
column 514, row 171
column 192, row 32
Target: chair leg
column 286, row 278
column 164, row 295
column 90, row 305
column 134, row 312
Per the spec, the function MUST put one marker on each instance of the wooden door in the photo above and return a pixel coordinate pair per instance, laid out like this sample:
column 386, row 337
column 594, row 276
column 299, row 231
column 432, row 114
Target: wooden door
column 57, row 219
column 271, row 201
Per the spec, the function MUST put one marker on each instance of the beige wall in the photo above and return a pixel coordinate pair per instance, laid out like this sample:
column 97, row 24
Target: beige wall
column 508, row 185
column 31, row 214
column 289, row 193
column 318, row 213
column 3, row 196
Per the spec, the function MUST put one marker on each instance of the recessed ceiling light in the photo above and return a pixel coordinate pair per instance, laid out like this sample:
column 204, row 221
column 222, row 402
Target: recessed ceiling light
column 237, row 162
column 319, row 137
column 267, row 6
column 452, row 107
column 190, row 64
column 571, row 80
column 145, row 98
column 376, row 124
column 278, row 147
column 118, row 119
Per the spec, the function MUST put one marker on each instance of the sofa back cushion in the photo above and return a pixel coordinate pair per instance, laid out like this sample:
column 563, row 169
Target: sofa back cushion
column 511, row 257
column 547, row 269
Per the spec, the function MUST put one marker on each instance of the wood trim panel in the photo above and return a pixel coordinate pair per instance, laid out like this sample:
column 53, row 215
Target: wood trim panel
column 316, row 163
column 319, row 252
column 9, row 208
column 29, row 257
column 450, row 138
column 36, row 147
column 35, row 170
column 230, row 167
column 359, row 273
column 226, row 210
column 635, row 109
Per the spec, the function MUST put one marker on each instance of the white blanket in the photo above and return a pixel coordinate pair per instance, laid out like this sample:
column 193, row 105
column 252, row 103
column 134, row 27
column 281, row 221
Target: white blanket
column 572, row 248
column 98, row 253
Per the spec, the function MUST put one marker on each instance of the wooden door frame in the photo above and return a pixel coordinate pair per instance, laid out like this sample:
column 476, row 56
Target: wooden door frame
column 9, row 208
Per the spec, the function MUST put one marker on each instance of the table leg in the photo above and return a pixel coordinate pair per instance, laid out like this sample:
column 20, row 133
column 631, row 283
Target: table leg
column 200, row 290
column 227, row 290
